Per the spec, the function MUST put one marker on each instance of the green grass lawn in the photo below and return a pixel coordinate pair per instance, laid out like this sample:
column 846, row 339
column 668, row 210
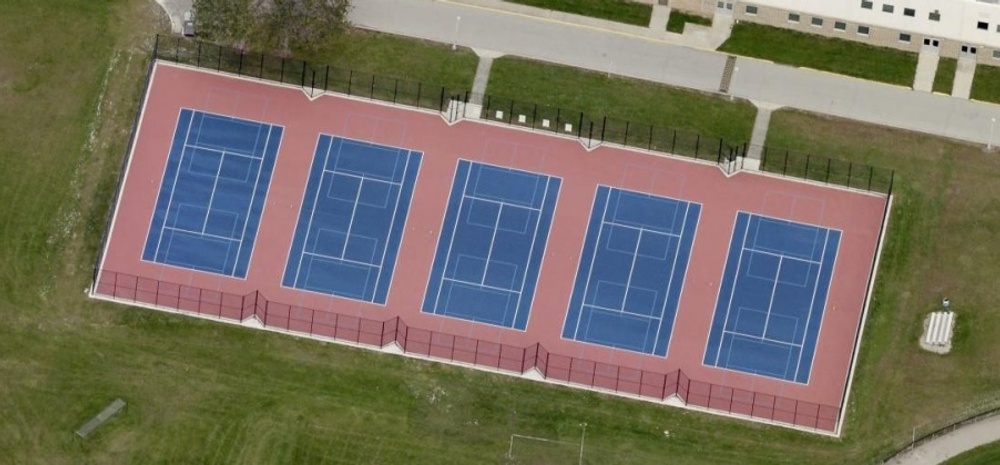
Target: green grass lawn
column 982, row 455
column 826, row 54
column 203, row 392
column 385, row 54
column 986, row 84
column 622, row 11
column 945, row 76
column 679, row 18
column 945, row 207
column 625, row 98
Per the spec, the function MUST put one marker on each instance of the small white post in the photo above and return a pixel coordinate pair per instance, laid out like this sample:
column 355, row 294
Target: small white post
column 454, row 42
column 989, row 143
column 583, row 437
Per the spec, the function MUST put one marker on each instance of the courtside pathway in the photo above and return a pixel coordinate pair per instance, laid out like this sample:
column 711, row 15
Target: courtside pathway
column 619, row 53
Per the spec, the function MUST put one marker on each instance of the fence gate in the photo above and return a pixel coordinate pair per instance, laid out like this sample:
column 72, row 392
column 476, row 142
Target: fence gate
column 314, row 80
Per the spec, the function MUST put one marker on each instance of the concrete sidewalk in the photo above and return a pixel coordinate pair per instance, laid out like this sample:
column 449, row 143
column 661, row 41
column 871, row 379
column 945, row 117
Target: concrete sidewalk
column 945, row 447
column 651, row 59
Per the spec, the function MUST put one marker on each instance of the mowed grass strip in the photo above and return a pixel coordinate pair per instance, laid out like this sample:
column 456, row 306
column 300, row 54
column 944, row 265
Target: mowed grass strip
column 822, row 53
column 986, row 84
column 679, row 18
column 944, row 78
column 389, row 55
column 598, row 94
column 945, row 206
column 622, row 11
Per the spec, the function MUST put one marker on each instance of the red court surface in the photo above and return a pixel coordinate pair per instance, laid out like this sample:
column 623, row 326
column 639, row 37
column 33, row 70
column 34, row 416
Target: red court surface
column 816, row 405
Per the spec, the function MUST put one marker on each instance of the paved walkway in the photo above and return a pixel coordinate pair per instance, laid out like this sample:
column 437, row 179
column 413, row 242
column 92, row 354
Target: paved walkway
column 954, row 443
column 647, row 58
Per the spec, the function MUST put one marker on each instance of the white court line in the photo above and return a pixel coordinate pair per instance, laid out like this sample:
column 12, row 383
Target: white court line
column 223, row 150
column 354, row 213
column 253, row 194
column 643, row 230
column 484, row 286
column 345, row 260
column 361, row 176
column 593, row 259
column 812, row 304
column 761, row 338
column 312, row 214
column 774, row 290
column 173, row 184
column 454, row 229
column 780, row 255
column 392, row 221
column 197, row 233
column 506, row 203
column 732, row 290
column 493, row 244
column 211, row 197
column 673, row 274
column 631, row 269
column 534, row 241
column 621, row 312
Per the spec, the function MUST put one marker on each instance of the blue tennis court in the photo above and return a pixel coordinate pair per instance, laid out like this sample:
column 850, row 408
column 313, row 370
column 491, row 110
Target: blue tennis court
column 631, row 270
column 351, row 222
column 213, row 190
column 772, row 297
column 490, row 250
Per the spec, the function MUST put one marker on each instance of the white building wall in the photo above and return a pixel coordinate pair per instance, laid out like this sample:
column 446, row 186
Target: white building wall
column 959, row 18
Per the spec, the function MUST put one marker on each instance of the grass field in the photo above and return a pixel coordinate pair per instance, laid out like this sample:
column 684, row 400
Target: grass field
column 986, row 84
column 944, row 78
column 622, row 11
column 825, row 54
column 201, row 392
column 624, row 98
column 679, row 18
column 982, row 455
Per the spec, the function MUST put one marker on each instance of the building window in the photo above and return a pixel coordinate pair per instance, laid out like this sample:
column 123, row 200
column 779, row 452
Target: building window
column 982, row 25
column 903, row 37
column 840, row 26
column 909, row 12
column 934, row 16
column 793, row 17
column 867, row 4
column 818, row 22
column 996, row 54
column 751, row 10
column 863, row 30
column 887, row 8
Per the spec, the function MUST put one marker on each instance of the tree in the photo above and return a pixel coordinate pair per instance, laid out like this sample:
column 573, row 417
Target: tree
column 274, row 24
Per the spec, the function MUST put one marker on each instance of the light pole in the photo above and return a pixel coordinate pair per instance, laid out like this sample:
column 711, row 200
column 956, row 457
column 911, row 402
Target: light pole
column 454, row 42
column 989, row 143
column 583, row 437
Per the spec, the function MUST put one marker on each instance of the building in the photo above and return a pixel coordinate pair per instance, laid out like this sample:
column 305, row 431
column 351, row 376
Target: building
column 955, row 28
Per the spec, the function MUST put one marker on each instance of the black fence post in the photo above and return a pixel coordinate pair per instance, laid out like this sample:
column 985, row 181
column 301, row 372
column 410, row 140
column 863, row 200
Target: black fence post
column 326, row 79
column 303, row 80
column 850, row 171
column 239, row 67
column 626, row 134
column 395, row 90
column 719, row 156
column 218, row 65
column 649, row 144
column 371, row 91
column 604, row 125
column 808, row 159
column 590, row 136
column 871, row 173
column 177, row 50
column 534, row 116
column 282, row 77
column 579, row 127
column 673, row 142
column 419, row 86
column 441, row 101
column 828, row 162
column 260, row 75
column 198, row 60
column 510, row 112
column 486, row 110
column 784, row 168
column 350, row 81
column 697, row 144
